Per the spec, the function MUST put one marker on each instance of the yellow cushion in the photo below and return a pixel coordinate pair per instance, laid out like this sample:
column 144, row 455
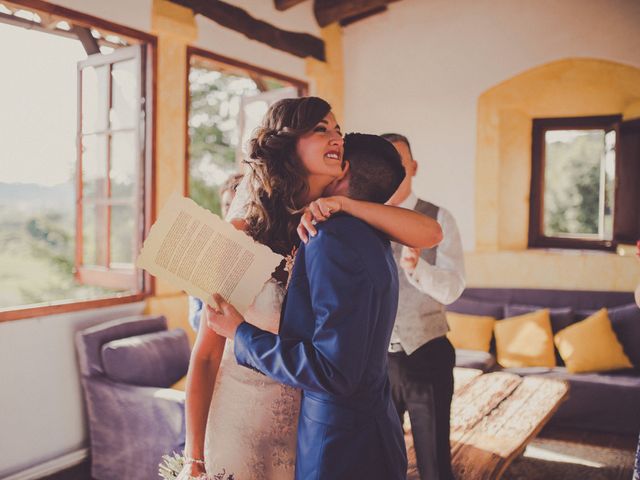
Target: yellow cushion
column 180, row 384
column 471, row 332
column 525, row 340
column 591, row 345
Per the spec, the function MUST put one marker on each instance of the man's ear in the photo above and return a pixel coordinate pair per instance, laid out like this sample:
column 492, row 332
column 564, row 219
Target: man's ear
column 345, row 169
column 414, row 164
column 341, row 184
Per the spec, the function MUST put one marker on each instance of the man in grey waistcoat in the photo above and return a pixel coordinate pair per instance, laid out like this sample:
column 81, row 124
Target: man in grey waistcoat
column 421, row 358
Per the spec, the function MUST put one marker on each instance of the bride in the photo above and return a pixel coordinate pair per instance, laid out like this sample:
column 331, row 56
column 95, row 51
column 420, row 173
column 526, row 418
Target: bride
column 241, row 424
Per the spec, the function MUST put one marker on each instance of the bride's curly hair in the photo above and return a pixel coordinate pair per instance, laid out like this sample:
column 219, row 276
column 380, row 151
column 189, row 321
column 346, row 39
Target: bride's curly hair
column 277, row 179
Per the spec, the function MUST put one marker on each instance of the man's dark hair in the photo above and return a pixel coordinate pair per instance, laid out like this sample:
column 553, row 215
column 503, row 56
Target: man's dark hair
column 396, row 137
column 375, row 167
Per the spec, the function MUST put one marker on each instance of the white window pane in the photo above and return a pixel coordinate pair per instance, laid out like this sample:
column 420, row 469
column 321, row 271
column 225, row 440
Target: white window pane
column 123, row 237
column 572, row 182
column 94, row 166
column 95, row 98
column 124, row 162
column 124, row 112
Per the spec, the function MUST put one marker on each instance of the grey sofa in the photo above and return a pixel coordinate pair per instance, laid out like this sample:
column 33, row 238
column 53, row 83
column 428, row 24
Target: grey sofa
column 606, row 401
column 126, row 367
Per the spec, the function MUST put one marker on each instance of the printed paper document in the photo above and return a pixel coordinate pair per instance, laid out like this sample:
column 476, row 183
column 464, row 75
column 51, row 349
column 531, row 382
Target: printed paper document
column 200, row 253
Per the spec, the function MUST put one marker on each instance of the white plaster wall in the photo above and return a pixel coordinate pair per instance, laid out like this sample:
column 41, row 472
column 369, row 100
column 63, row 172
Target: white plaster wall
column 419, row 69
column 41, row 405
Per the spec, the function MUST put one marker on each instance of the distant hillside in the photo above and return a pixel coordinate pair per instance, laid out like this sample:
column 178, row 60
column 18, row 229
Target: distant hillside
column 30, row 196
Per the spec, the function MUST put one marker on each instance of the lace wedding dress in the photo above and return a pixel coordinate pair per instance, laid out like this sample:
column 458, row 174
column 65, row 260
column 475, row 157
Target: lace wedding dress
column 252, row 425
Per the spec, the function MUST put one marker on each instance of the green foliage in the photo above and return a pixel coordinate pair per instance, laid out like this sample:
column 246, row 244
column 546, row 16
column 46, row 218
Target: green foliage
column 51, row 241
column 204, row 195
column 37, row 257
column 213, row 131
column 572, row 185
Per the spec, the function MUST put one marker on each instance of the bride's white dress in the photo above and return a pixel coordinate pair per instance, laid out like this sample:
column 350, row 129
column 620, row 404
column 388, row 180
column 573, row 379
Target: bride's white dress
column 253, row 420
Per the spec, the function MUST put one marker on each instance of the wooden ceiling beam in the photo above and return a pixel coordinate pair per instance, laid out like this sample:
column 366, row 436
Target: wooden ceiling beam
column 286, row 4
column 300, row 44
column 356, row 18
column 89, row 43
column 330, row 11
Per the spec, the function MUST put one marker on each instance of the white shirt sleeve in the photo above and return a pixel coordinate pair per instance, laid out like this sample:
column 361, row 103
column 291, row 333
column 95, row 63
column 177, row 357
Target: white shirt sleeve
column 445, row 280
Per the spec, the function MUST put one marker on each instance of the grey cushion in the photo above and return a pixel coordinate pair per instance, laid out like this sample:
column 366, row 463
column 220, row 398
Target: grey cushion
column 626, row 323
column 475, row 359
column 470, row 306
column 89, row 342
column 157, row 359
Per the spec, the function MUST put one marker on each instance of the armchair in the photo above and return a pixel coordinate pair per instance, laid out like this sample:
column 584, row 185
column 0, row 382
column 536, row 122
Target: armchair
column 127, row 367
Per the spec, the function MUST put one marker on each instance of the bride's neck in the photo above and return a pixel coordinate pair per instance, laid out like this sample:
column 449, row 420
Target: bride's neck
column 317, row 184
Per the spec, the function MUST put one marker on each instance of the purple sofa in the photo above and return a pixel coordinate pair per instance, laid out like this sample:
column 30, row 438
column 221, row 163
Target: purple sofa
column 606, row 401
column 127, row 367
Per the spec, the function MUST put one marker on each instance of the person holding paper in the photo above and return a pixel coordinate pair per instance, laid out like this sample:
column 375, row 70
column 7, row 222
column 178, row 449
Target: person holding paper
column 246, row 425
column 335, row 330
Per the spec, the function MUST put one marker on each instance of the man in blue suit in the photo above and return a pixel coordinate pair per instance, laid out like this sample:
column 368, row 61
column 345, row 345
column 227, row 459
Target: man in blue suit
column 334, row 333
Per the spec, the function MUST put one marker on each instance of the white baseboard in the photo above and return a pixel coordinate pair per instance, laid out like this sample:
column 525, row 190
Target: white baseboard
column 52, row 466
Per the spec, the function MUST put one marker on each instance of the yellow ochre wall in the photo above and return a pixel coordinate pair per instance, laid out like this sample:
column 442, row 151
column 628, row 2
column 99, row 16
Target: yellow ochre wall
column 565, row 88
column 176, row 28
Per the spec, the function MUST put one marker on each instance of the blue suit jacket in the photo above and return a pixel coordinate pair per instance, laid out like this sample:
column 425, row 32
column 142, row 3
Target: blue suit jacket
column 334, row 334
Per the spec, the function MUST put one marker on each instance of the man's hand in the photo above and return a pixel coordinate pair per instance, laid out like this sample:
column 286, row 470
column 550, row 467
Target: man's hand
column 318, row 211
column 225, row 319
column 409, row 259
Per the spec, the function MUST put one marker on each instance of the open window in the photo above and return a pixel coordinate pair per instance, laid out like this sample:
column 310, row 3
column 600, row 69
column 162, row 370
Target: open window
column 585, row 182
column 110, row 168
column 75, row 200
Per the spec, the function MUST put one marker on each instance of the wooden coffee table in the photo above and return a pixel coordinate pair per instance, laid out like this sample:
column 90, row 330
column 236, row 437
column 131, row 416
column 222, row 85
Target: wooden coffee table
column 494, row 416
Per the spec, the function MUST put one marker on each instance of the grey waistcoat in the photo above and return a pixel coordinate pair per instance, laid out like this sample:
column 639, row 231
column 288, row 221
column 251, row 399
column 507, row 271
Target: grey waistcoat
column 420, row 318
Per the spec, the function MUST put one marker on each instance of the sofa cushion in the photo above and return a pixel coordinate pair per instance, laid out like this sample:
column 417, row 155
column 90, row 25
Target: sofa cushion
column 591, row 345
column 525, row 340
column 156, row 359
column 560, row 318
column 470, row 306
column 470, row 332
column 475, row 359
column 625, row 321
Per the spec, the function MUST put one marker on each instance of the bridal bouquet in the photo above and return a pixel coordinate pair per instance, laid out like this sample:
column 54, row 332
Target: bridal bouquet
column 171, row 467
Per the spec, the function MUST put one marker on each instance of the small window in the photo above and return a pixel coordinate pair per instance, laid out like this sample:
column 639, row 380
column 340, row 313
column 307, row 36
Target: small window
column 577, row 199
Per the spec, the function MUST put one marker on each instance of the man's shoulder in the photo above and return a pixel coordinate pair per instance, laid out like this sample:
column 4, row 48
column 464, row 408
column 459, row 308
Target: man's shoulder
column 348, row 227
column 351, row 232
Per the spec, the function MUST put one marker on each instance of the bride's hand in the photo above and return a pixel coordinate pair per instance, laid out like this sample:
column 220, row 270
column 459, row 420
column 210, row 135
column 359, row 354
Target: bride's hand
column 192, row 471
column 318, row 211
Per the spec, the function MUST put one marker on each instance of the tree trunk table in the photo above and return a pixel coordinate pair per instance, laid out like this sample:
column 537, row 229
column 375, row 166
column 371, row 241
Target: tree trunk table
column 494, row 416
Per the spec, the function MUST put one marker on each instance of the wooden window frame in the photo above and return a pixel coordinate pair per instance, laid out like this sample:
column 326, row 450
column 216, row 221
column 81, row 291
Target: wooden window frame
column 230, row 65
column 150, row 43
column 537, row 239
